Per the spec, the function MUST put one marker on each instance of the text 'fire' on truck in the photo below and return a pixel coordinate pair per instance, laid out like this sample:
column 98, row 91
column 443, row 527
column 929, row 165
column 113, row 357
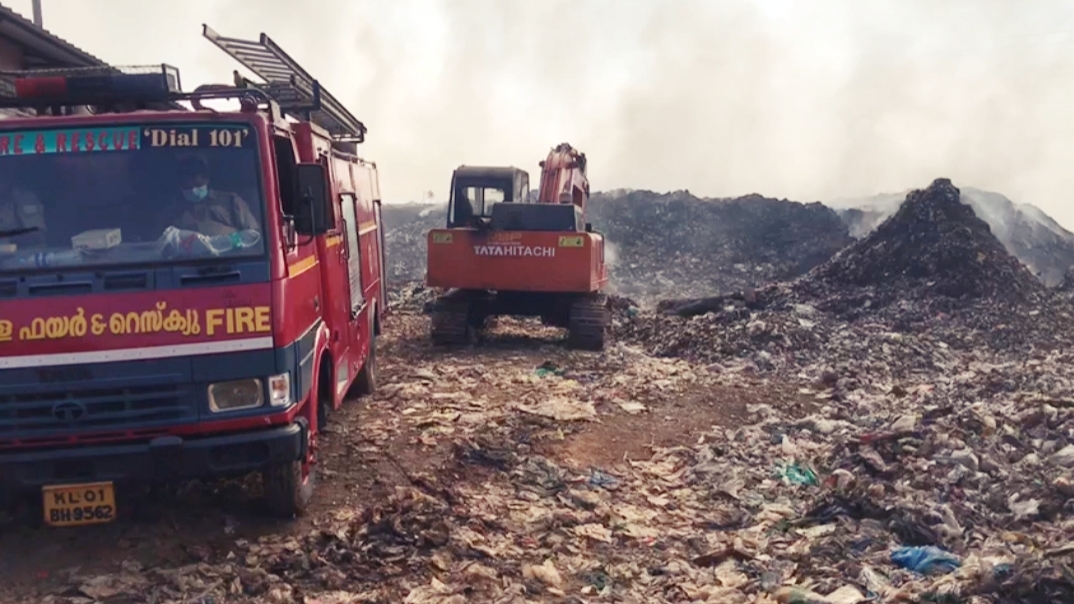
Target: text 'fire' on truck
column 184, row 292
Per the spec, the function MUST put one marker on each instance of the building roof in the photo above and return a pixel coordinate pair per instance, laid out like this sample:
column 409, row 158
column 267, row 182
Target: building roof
column 42, row 49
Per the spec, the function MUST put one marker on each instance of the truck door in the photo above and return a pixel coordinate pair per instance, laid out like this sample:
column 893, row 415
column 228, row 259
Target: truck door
column 359, row 322
column 381, row 260
column 334, row 283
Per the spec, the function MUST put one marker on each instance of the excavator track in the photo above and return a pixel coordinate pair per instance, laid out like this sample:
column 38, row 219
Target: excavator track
column 587, row 323
column 450, row 323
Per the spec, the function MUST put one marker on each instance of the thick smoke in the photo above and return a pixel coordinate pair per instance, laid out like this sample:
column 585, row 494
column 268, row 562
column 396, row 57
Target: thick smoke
column 804, row 100
column 611, row 253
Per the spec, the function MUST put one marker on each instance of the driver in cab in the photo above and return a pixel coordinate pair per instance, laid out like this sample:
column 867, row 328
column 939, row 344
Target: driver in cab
column 204, row 209
column 22, row 217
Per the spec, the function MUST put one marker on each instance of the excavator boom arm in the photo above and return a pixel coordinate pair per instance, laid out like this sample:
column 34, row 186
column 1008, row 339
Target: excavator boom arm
column 563, row 177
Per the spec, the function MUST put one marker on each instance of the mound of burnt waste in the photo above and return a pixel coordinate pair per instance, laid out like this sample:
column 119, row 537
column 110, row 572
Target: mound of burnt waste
column 934, row 245
column 1066, row 285
column 1028, row 233
column 939, row 381
column 405, row 229
column 932, row 271
column 679, row 243
column 660, row 244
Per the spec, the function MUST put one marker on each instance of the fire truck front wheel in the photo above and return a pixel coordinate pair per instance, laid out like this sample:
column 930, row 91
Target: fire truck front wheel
column 289, row 487
column 366, row 382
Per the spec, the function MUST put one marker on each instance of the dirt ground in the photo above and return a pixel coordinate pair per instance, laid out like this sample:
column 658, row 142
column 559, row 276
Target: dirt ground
column 441, row 418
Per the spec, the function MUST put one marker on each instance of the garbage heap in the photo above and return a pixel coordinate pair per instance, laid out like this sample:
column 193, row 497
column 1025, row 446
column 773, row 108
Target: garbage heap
column 933, row 247
column 1029, row 234
column 938, row 460
column 405, row 229
column 1066, row 284
column 933, row 270
column 917, row 494
column 410, row 296
column 660, row 243
column 677, row 242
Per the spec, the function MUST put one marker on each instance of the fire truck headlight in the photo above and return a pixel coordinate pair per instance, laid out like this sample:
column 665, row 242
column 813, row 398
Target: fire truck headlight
column 279, row 389
column 234, row 395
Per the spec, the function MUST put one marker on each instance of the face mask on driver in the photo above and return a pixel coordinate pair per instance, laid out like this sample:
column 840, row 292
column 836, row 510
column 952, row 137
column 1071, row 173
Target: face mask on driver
column 196, row 194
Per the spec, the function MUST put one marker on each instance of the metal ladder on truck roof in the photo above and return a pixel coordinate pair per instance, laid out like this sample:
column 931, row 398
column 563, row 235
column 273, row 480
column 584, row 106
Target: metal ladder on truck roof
column 290, row 86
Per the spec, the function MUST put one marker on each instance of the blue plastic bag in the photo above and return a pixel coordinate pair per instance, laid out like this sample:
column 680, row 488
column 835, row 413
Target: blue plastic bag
column 925, row 560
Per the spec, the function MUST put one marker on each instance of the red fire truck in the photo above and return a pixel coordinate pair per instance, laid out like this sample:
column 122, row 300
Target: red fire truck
column 185, row 292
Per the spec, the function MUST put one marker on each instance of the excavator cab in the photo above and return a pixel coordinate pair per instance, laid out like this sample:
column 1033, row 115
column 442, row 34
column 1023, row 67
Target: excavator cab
column 475, row 191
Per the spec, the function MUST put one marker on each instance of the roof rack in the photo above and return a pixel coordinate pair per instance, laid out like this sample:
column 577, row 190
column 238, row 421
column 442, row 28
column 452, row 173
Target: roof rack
column 288, row 84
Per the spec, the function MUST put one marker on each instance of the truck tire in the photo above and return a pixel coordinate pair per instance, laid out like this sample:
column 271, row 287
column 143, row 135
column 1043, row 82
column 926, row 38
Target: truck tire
column 287, row 492
column 366, row 381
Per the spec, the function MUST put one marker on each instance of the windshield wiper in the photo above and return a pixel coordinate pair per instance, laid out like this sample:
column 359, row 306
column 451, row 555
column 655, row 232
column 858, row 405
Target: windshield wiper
column 17, row 232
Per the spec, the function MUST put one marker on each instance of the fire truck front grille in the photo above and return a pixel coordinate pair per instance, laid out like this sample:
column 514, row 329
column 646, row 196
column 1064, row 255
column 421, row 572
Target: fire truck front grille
column 24, row 415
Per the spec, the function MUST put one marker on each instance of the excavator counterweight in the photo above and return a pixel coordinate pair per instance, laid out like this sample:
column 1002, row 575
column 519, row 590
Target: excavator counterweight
column 503, row 252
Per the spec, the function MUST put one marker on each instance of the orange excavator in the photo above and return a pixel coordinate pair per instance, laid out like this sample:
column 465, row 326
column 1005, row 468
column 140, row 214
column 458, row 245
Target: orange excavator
column 503, row 254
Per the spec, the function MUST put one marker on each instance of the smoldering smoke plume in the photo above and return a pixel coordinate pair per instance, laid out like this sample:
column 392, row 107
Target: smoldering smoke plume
column 611, row 253
column 802, row 100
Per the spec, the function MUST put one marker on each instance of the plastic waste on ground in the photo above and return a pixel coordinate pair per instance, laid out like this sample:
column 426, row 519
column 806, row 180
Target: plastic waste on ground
column 798, row 474
column 925, row 560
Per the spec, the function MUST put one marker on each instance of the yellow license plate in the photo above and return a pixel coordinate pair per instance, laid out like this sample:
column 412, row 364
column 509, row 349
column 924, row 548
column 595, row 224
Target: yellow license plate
column 79, row 504
column 571, row 241
column 441, row 237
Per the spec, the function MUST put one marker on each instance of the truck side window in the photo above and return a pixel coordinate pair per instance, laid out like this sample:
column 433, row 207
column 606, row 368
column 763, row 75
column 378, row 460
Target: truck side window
column 354, row 250
column 285, row 170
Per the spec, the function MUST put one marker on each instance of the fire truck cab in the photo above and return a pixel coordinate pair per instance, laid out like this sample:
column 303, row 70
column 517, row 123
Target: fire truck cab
column 184, row 292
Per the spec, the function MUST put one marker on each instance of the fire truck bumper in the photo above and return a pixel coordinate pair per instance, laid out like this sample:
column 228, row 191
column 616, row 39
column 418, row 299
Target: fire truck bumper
column 163, row 459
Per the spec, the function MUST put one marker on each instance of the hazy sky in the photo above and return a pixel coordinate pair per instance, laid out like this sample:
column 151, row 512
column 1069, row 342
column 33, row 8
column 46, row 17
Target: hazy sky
column 805, row 100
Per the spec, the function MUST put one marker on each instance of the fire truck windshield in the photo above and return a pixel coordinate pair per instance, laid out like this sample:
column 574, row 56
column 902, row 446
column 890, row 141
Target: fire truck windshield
column 132, row 194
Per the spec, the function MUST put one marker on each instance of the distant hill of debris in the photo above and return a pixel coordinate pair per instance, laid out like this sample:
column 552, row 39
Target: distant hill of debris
column 680, row 243
column 663, row 245
column 659, row 243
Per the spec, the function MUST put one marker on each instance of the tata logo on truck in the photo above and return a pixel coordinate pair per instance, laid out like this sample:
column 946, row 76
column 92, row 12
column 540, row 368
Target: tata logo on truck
column 515, row 251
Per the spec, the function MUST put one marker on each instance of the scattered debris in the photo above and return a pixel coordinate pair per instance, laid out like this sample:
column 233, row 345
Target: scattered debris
column 905, row 433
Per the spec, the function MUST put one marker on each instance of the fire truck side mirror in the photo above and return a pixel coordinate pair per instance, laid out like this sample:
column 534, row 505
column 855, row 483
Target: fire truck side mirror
column 312, row 214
